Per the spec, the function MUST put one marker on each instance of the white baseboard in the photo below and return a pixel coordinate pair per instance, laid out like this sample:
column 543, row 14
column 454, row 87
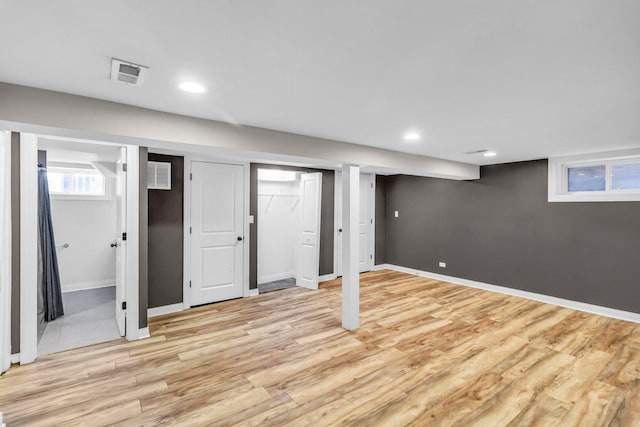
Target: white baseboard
column 143, row 333
column 277, row 276
column 164, row 309
column 252, row 292
column 326, row 277
column 15, row 358
column 92, row 284
column 575, row 305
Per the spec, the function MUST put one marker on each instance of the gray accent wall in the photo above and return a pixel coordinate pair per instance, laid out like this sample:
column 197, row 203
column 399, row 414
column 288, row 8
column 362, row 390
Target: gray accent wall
column 326, row 219
column 15, row 242
column 166, row 229
column 143, row 241
column 501, row 230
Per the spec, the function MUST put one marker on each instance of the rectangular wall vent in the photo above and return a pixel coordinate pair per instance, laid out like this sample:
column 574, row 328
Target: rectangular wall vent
column 127, row 72
column 159, row 175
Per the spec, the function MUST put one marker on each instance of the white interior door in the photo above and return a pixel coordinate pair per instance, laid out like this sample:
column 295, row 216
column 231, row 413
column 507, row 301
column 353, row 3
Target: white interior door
column 308, row 254
column 217, row 241
column 338, row 223
column 365, row 224
column 366, row 233
column 121, row 244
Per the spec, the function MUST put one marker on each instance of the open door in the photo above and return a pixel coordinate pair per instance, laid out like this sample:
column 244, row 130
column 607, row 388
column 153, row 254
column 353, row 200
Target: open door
column 365, row 224
column 366, row 230
column 121, row 243
column 308, row 254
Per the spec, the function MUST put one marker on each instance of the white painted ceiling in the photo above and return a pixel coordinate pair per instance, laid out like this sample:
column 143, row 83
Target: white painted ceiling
column 64, row 150
column 528, row 79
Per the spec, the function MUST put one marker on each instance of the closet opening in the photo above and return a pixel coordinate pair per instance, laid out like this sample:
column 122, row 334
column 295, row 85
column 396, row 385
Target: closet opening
column 289, row 206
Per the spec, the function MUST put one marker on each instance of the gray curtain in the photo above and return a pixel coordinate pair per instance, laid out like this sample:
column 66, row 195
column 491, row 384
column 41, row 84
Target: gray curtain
column 51, row 291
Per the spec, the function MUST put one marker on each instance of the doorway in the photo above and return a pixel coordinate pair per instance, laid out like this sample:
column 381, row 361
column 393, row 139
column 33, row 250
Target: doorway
column 87, row 197
column 366, row 227
column 289, row 206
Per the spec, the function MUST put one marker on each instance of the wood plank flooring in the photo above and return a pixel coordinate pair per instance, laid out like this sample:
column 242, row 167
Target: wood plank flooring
column 427, row 353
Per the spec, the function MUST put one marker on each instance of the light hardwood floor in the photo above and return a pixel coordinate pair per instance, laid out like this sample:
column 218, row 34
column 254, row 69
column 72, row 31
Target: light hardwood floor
column 427, row 353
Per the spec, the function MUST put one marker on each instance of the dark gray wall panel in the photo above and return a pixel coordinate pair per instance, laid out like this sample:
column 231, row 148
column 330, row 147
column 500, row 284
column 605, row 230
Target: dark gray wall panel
column 166, row 229
column 500, row 229
column 15, row 242
column 381, row 220
column 326, row 219
column 143, row 241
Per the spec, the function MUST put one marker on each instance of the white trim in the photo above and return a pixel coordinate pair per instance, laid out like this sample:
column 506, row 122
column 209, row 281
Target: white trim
column 574, row 305
column 15, row 358
column 132, row 285
column 186, row 266
column 5, row 251
column 143, row 333
column 28, row 247
column 164, row 309
column 92, row 284
column 337, row 221
column 276, row 276
column 327, row 277
column 253, row 292
column 557, row 177
column 246, row 240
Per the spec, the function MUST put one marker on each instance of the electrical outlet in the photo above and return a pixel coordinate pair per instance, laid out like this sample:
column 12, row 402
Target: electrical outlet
column 442, row 264
column 396, row 214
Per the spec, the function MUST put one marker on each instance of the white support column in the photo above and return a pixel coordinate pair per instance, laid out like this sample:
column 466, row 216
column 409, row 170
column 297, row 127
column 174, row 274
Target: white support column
column 350, row 247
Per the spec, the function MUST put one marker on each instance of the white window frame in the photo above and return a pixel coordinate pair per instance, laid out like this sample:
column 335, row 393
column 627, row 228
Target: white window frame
column 77, row 196
column 558, row 177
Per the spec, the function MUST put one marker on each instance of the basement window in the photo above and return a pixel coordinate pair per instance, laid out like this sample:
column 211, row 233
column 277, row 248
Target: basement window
column 595, row 178
column 76, row 181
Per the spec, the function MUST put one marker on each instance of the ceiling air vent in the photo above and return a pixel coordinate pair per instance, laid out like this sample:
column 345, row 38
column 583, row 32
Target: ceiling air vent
column 127, row 72
column 159, row 175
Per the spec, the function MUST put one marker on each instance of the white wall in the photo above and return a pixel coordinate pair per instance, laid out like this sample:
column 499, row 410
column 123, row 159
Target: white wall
column 89, row 226
column 278, row 217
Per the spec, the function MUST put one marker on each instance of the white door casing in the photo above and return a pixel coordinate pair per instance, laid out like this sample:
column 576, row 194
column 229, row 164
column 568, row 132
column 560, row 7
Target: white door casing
column 308, row 254
column 217, row 232
column 5, row 251
column 121, row 245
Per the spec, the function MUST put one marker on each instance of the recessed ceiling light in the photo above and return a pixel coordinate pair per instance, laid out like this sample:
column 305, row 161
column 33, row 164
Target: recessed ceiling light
column 490, row 154
column 411, row 136
column 192, row 87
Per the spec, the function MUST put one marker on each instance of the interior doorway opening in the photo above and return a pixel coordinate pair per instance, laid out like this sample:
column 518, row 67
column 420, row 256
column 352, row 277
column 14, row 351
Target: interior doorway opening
column 289, row 206
column 366, row 224
column 87, row 197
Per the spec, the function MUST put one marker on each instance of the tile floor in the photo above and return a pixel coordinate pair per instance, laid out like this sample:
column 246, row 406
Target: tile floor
column 276, row 285
column 89, row 319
